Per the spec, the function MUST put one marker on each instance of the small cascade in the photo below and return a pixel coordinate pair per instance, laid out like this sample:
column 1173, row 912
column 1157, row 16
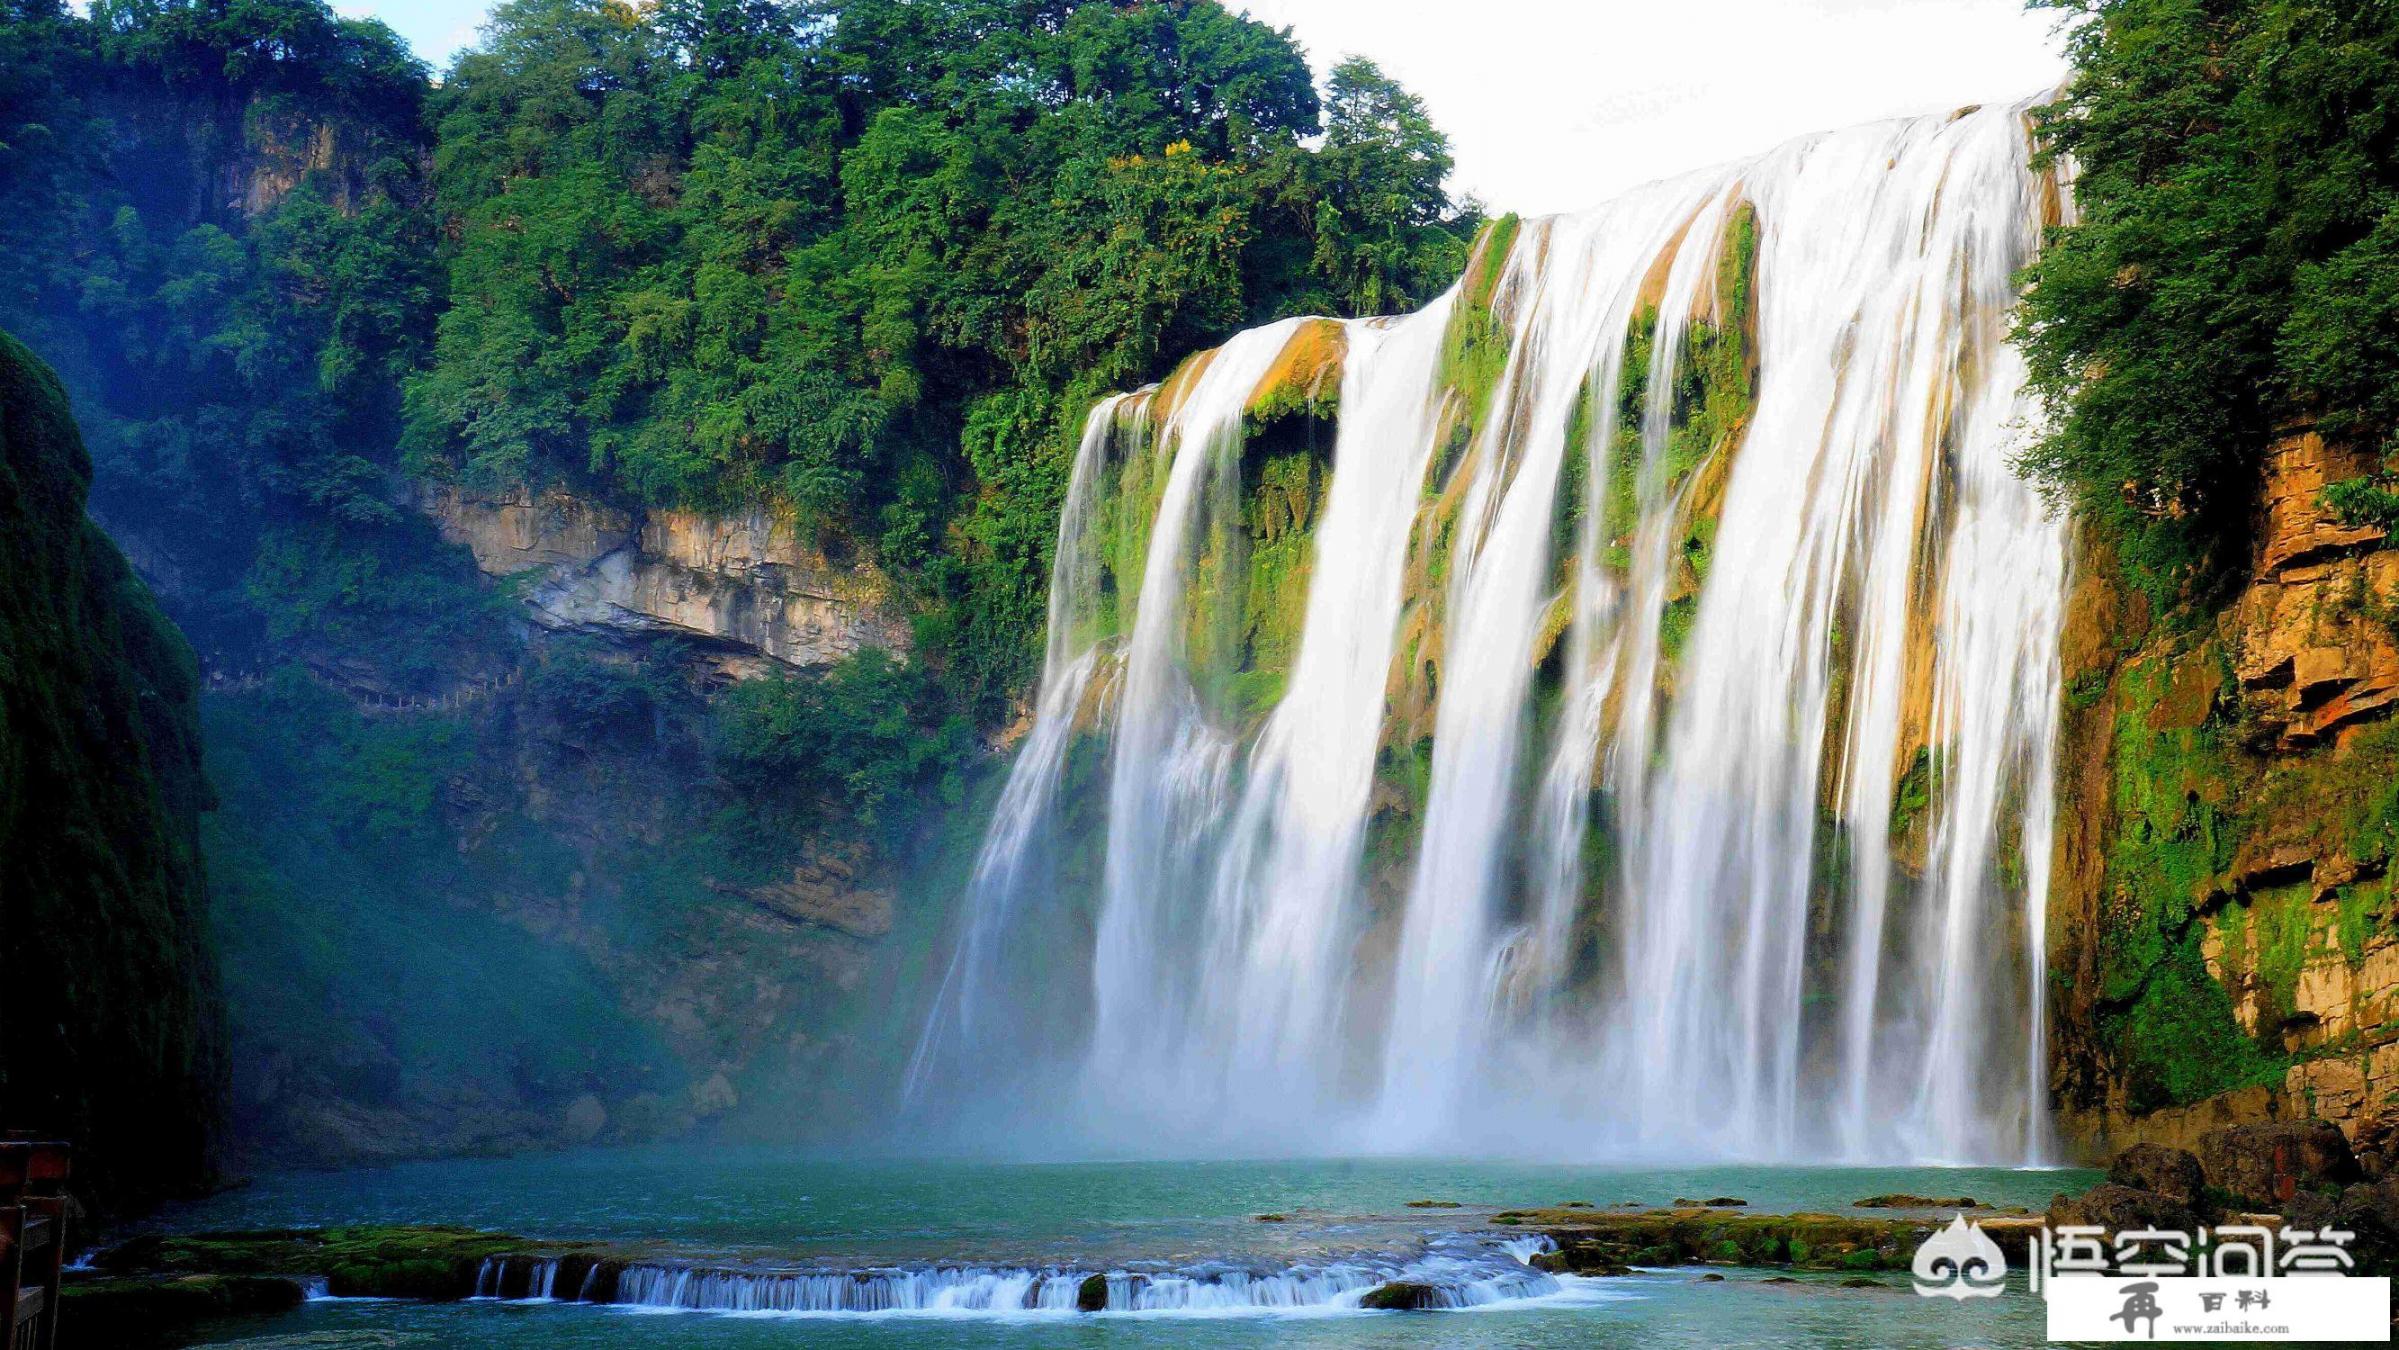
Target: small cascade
column 1461, row 1271
column 1609, row 712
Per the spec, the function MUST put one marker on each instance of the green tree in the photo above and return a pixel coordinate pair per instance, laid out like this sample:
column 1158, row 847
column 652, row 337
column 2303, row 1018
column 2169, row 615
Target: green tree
column 2236, row 262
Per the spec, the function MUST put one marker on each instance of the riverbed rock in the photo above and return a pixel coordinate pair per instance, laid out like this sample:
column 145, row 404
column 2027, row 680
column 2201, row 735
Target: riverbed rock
column 380, row 1261
column 1401, row 1296
column 2171, row 1172
column 2269, row 1164
column 1603, row 1242
column 1092, row 1294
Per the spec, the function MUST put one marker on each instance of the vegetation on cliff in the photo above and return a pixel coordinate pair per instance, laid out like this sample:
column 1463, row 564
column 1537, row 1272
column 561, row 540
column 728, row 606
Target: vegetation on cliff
column 114, row 1027
column 2235, row 266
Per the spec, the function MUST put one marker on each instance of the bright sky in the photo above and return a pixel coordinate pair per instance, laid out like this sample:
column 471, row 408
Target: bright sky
column 1555, row 104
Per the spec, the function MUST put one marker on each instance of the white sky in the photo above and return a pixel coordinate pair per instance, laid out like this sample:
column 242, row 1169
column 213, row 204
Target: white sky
column 1554, row 104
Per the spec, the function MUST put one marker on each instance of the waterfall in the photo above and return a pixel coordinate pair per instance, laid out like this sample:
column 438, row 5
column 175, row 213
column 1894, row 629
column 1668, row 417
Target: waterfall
column 1647, row 747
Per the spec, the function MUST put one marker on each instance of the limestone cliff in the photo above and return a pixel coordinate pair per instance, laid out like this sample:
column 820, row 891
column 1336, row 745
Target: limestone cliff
column 745, row 582
column 113, row 1026
column 2222, row 943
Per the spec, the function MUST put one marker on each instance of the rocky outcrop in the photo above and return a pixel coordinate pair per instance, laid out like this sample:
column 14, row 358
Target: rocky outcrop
column 2222, row 920
column 2293, row 1175
column 826, row 889
column 746, row 583
column 2319, row 653
column 2268, row 1165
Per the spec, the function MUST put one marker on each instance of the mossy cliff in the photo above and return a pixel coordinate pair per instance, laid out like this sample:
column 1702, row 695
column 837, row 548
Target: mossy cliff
column 2222, row 946
column 114, row 1029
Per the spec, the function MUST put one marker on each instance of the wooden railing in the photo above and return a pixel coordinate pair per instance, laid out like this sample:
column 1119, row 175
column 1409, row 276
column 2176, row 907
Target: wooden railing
column 33, row 1240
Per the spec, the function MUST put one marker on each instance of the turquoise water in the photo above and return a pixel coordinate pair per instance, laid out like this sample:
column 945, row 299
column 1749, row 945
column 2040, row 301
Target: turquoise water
column 758, row 1208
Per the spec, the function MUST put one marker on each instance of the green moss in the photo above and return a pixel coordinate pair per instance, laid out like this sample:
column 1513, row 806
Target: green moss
column 2179, row 1040
column 2175, row 830
column 378, row 1261
column 2360, row 909
column 1915, row 793
column 1474, row 351
column 1248, row 594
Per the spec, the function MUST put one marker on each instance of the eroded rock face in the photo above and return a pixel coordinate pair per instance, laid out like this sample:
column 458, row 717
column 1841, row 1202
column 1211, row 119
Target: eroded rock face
column 744, row 581
column 2222, row 917
column 2315, row 656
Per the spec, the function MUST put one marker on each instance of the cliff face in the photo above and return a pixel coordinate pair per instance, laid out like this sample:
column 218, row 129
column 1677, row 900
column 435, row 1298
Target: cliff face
column 114, row 1028
column 2222, row 942
column 584, row 934
column 743, row 582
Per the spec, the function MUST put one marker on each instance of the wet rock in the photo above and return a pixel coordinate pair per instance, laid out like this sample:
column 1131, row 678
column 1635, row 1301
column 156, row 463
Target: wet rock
column 1719, row 1202
column 1433, row 1204
column 1904, row 1200
column 1400, row 1296
column 1092, row 1295
column 1711, row 1278
column 1861, row 1282
column 2117, row 1208
column 2170, row 1172
column 2269, row 1164
column 1274, row 1218
column 430, row 1263
column 1582, row 1258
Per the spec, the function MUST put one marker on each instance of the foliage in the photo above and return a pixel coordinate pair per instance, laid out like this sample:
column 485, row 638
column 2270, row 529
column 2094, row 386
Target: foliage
column 871, row 260
column 115, row 1027
column 2236, row 264
column 851, row 743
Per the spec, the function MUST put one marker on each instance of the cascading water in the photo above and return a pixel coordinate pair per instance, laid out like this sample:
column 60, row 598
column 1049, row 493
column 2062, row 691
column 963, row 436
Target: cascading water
column 1658, row 760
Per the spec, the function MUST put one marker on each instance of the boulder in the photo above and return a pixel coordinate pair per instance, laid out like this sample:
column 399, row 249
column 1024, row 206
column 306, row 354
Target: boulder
column 2170, row 1172
column 1400, row 1296
column 2270, row 1163
column 2368, row 1211
column 1092, row 1295
column 2376, row 1144
column 2118, row 1208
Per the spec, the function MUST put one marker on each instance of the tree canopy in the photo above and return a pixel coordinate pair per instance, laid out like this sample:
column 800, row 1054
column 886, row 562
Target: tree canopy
column 866, row 260
column 2235, row 268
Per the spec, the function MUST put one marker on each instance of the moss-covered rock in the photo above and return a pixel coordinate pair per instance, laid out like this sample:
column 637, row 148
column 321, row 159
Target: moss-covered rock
column 1400, row 1296
column 128, row 1312
column 428, row 1263
column 1597, row 1242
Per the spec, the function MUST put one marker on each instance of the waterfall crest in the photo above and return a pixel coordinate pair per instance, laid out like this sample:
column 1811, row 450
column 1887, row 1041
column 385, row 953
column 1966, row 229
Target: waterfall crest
column 1606, row 713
